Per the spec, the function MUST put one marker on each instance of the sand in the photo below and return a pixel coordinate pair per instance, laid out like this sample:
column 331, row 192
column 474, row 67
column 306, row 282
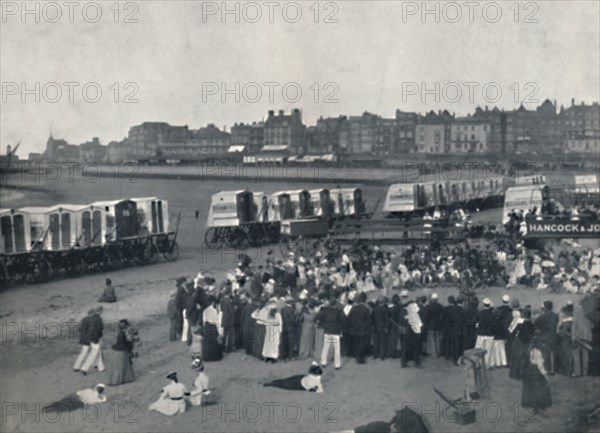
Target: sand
column 36, row 368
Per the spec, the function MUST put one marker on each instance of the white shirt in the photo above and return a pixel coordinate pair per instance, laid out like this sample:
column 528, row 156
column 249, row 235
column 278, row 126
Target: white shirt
column 90, row 396
column 210, row 315
column 312, row 382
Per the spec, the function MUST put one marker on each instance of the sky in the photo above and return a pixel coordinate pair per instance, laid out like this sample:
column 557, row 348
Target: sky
column 182, row 60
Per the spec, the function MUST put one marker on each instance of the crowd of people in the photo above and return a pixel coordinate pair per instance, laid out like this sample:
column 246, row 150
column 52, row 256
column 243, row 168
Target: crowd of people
column 359, row 303
column 322, row 308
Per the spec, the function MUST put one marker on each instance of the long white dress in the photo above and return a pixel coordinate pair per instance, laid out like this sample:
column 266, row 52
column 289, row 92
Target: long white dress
column 200, row 389
column 171, row 400
column 272, row 337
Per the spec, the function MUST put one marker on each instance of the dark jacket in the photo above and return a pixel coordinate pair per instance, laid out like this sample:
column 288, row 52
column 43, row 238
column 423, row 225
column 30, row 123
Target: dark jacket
column 90, row 329
column 172, row 311
column 359, row 320
column 547, row 324
column 330, row 319
column 433, row 316
column 288, row 317
column 228, row 312
column 487, row 323
column 504, row 314
column 381, row 317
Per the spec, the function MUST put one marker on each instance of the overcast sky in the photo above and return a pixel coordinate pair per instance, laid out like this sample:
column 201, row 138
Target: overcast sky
column 372, row 54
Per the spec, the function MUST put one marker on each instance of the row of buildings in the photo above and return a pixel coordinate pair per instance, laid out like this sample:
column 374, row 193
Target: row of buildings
column 521, row 131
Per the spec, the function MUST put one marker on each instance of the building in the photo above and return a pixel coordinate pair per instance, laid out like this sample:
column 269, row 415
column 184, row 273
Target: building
column 58, row 150
column 432, row 138
column 499, row 139
column 286, row 130
column 385, row 142
column 535, row 131
column 212, row 140
column 406, row 125
column 117, row 151
column 359, row 134
column 92, row 151
column 143, row 140
column 250, row 135
column 324, row 137
column 432, row 134
column 195, row 144
column 469, row 135
column 581, row 128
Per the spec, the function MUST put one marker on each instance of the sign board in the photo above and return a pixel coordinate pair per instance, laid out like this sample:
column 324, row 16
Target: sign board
column 563, row 228
column 587, row 184
column 523, row 198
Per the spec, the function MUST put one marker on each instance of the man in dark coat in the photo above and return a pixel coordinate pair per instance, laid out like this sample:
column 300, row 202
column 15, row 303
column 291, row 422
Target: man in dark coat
column 487, row 325
column 359, row 321
column 453, row 322
column 331, row 320
column 472, row 313
column 547, row 324
column 433, row 317
column 192, row 311
column 504, row 318
column 394, row 319
column 289, row 335
column 239, row 302
column 172, row 314
column 228, row 322
column 380, row 328
column 90, row 328
column 249, row 331
column 180, row 303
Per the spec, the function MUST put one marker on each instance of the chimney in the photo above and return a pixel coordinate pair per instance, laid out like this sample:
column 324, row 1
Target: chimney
column 281, row 113
column 271, row 113
column 572, row 102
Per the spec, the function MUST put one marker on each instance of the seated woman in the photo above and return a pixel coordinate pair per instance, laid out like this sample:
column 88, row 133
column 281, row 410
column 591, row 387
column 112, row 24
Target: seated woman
column 171, row 400
column 310, row 382
column 78, row 400
column 200, row 394
column 109, row 293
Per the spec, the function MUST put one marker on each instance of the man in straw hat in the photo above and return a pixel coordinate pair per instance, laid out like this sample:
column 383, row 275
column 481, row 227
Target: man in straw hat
column 486, row 330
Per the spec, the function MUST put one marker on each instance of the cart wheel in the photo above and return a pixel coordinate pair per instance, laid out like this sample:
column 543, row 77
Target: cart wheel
column 173, row 253
column 212, row 238
column 146, row 255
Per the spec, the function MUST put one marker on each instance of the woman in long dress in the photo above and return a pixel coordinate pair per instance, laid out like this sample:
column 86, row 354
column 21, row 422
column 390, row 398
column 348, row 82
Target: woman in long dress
column 536, row 393
column 120, row 361
column 310, row 382
column 393, row 336
column 260, row 331
column 211, row 349
column 171, row 400
column 307, row 336
column 516, row 347
column 319, row 336
column 273, row 324
column 564, row 342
